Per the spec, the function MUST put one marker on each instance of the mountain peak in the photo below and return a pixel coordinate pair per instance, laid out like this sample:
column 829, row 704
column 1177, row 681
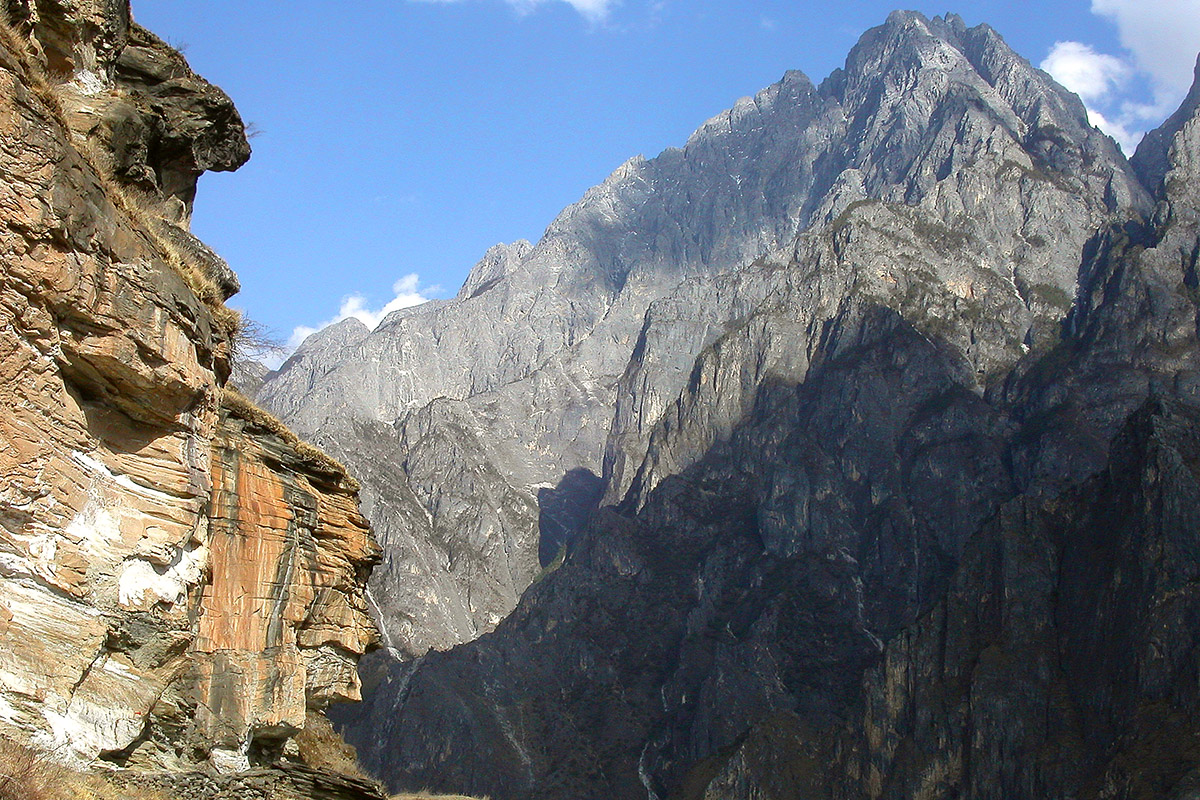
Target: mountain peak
column 499, row 260
column 1152, row 160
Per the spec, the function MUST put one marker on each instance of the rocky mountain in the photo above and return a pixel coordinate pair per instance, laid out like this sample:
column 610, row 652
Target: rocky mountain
column 564, row 358
column 856, row 440
column 182, row 580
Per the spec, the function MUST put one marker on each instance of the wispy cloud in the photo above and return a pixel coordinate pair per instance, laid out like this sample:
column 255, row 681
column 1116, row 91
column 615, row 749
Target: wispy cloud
column 408, row 292
column 596, row 11
column 1160, row 39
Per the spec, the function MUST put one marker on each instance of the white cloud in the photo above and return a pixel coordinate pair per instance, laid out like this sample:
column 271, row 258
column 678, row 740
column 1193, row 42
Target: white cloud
column 1098, row 79
column 1161, row 38
column 1091, row 75
column 595, row 10
column 592, row 10
column 407, row 293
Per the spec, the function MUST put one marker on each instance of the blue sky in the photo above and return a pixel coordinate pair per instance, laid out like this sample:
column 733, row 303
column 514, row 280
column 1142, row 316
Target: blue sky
column 401, row 138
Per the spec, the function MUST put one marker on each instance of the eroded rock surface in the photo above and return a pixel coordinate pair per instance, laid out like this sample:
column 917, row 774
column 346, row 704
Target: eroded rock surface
column 286, row 782
column 176, row 584
column 901, row 506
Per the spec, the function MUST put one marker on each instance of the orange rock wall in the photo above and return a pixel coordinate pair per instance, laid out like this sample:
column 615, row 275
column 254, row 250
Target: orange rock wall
column 284, row 619
column 134, row 629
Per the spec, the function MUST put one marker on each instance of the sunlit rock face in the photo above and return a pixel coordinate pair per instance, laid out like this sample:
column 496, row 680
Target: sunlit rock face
column 896, row 443
column 938, row 174
column 175, row 584
column 283, row 619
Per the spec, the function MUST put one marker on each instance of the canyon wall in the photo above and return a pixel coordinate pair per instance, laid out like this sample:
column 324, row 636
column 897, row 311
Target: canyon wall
column 902, row 507
column 180, row 578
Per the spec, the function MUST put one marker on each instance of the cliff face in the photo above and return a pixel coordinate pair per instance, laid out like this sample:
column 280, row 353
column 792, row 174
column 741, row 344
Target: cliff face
column 175, row 583
column 282, row 621
column 902, row 508
column 938, row 174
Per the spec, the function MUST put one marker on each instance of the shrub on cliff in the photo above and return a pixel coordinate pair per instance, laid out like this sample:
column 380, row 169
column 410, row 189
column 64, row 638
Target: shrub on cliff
column 321, row 747
column 29, row 774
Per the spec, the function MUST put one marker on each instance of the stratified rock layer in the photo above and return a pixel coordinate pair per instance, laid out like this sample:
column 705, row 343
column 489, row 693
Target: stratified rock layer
column 176, row 583
column 283, row 619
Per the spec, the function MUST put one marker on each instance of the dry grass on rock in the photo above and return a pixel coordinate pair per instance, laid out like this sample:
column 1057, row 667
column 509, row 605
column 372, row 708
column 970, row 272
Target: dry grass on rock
column 27, row 773
column 321, row 747
column 242, row 407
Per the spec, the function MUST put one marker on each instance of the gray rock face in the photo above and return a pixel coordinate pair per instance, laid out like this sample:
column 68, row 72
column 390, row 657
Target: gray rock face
column 1153, row 157
column 938, row 175
column 887, row 578
column 849, row 368
column 1056, row 664
column 247, row 375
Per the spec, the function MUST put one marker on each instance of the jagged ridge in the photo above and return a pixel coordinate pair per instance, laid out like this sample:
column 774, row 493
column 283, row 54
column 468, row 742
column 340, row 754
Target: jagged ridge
column 986, row 173
column 828, row 457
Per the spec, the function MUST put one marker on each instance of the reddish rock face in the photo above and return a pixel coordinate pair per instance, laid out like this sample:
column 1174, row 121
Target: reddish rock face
column 284, row 620
column 134, row 628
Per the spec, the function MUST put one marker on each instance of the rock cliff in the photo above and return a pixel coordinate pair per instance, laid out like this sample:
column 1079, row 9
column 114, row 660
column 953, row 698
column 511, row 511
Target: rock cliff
column 938, row 174
column 887, row 390
column 180, row 577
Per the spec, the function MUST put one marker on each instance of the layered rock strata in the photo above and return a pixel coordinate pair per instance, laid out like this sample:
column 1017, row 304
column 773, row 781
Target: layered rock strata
column 179, row 581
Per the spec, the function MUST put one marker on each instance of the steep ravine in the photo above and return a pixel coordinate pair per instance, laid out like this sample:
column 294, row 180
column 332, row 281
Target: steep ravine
column 181, row 579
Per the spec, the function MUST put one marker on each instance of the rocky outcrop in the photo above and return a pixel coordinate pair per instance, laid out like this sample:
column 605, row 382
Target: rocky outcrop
column 903, row 507
column 179, row 578
column 284, row 782
column 166, row 125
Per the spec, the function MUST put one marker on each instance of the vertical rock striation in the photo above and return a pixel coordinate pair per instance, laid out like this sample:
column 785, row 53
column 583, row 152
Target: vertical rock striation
column 283, row 619
column 177, row 582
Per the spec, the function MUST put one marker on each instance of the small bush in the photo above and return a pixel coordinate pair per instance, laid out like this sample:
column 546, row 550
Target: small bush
column 1051, row 295
column 29, row 774
column 255, row 340
column 321, row 747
